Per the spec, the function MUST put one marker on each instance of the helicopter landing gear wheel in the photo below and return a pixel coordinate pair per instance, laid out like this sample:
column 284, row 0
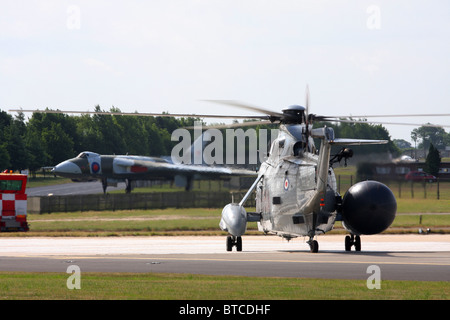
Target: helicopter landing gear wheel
column 352, row 240
column 313, row 246
column 234, row 241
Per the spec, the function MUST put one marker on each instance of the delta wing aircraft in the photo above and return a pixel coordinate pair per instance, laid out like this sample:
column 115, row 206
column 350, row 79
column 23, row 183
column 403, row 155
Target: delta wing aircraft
column 111, row 169
column 295, row 188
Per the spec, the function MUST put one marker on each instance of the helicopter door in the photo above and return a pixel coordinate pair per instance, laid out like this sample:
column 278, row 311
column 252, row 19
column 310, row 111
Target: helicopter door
column 262, row 196
column 263, row 206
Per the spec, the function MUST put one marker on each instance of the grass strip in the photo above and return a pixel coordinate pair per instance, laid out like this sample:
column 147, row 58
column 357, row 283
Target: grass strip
column 181, row 222
column 160, row 286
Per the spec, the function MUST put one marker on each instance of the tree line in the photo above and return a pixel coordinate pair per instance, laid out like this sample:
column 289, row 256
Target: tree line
column 46, row 139
column 358, row 130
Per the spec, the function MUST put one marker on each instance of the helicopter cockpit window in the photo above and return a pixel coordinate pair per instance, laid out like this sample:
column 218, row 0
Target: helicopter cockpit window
column 296, row 131
column 298, row 148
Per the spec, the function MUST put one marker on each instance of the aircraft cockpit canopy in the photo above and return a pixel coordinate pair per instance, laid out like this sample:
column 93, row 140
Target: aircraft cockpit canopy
column 85, row 154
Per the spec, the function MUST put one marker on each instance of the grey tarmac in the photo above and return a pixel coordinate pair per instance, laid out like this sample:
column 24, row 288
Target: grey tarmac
column 399, row 257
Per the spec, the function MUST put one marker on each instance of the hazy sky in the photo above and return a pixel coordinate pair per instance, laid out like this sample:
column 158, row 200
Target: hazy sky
column 358, row 57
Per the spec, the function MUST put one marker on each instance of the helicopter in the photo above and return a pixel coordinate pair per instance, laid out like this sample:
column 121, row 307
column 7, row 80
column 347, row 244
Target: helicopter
column 295, row 187
column 296, row 190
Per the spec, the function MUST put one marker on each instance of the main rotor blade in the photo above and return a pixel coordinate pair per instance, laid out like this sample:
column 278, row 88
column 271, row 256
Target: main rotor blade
column 143, row 114
column 394, row 115
column 242, row 105
column 236, row 125
column 389, row 123
column 307, row 101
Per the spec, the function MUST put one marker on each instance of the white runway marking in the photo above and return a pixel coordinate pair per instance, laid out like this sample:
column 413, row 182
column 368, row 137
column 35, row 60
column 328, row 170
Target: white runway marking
column 38, row 246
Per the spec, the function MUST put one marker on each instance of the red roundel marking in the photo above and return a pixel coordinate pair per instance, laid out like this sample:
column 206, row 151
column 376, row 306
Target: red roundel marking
column 286, row 184
column 95, row 167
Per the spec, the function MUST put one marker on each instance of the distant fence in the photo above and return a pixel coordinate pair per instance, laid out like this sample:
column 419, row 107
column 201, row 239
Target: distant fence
column 132, row 201
column 439, row 190
column 207, row 199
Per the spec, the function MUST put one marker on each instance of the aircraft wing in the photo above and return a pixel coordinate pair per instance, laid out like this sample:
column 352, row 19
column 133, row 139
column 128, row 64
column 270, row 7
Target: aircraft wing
column 128, row 165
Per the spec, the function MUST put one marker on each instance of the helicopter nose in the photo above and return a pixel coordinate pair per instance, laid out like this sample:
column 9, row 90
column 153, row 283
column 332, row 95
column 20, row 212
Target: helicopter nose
column 67, row 168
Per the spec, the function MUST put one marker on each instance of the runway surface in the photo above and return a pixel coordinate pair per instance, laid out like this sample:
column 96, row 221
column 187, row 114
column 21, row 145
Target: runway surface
column 399, row 257
column 71, row 188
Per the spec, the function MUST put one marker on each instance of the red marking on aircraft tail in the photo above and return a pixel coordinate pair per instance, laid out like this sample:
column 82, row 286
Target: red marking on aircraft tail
column 138, row 169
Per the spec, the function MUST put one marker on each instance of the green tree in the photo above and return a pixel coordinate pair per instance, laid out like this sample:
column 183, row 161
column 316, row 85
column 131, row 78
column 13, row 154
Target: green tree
column 36, row 153
column 16, row 148
column 157, row 141
column 133, row 133
column 429, row 135
column 447, row 139
column 5, row 121
column 4, row 157
column 359, row 130
column 433, row 161
column 59, row 144
column 57, row 137
column 108, row 133
column 13, row 135
column 86, row 133
column 402, row 144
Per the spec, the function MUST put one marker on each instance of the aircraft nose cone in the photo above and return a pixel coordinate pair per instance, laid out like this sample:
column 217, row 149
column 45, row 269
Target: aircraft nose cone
column 67, row 168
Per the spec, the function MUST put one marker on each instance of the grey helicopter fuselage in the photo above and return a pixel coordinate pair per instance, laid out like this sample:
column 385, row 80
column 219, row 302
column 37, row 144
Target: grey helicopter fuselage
column 287, row 195
column 296, row 191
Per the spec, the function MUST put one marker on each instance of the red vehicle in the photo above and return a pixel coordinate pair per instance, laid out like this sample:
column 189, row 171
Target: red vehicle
column 13, row 202
column 417, row 176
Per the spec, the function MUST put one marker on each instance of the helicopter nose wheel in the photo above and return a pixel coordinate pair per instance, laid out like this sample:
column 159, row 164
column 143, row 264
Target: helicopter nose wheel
column 352, row 240
column 234, row 241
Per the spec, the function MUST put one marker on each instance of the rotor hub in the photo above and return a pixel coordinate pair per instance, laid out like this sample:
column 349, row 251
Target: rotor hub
column 294, row 114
